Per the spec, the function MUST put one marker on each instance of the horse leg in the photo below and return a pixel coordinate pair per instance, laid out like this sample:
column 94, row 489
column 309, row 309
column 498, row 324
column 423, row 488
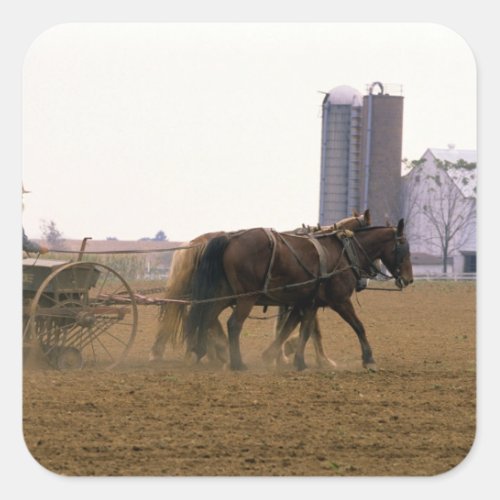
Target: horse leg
column 305, row 331
column 163, row 333
column 275, row 349
column 217, row 344
column 282, row 333
column 198, row 335
column 234, row 326
column 348, row 314
column 283, row 314
column 291, row 345
column 190, row 358
column 289, row 319
column 170, row 329
column 321, row 358
column 158, row 348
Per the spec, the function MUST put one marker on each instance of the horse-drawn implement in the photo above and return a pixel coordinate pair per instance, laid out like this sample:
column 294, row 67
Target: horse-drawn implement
column 69, row 317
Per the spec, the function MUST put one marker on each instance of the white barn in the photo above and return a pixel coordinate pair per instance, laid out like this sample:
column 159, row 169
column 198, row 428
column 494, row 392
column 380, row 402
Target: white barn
column 439, row 203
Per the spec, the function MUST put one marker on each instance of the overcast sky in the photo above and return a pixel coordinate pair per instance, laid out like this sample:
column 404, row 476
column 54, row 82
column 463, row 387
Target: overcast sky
column 129, row 129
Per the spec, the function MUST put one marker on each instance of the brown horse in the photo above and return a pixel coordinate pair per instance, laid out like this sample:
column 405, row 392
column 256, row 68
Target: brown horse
column 291, row 273
column 179, row 287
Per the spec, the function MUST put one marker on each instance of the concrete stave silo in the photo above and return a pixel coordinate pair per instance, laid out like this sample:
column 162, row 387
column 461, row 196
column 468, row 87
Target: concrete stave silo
column 340, row 151
column 361, row 149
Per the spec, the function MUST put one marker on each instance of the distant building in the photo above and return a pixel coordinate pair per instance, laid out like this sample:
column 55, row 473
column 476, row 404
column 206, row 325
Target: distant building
column 440, row 207
column 361, row 149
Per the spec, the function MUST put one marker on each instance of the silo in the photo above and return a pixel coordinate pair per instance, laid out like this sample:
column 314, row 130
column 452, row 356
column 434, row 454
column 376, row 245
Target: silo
column 382, row 135
column 340, row 154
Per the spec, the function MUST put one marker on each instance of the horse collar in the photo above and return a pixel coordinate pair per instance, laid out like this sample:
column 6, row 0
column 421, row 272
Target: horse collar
column 347, row 239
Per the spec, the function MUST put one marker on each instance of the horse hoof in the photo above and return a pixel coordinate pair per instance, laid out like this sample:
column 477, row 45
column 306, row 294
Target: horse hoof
column 290, row 346
column 282, row 360
column 371, row 367
column 239, row 368
column 267, row 357
column 327, row 363
column 191, row 358
column 299, row 364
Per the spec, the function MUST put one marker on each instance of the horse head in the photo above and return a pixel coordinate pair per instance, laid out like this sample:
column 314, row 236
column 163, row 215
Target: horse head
column 396, row 258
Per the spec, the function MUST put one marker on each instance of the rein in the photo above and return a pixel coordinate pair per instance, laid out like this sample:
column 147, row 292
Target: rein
column 384, row 289
column 119, row 252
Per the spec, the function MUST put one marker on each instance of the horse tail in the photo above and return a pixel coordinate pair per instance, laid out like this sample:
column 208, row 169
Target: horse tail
column 179, row 286
column 207, row 284
column 210, row 269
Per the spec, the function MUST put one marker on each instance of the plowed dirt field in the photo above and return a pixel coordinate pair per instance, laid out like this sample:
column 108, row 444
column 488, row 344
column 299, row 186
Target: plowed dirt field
column 414, row 417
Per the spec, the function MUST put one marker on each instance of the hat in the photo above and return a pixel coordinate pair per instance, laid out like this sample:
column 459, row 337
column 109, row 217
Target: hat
column 25, row 191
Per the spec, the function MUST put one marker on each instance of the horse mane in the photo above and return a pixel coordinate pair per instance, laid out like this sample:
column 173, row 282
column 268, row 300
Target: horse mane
column 370, row 228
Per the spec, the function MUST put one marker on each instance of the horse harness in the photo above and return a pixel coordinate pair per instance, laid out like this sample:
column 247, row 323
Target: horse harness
column 345, row 236
column 322, row 256
column 350, row 248
column 349, row 241
column 401, row 250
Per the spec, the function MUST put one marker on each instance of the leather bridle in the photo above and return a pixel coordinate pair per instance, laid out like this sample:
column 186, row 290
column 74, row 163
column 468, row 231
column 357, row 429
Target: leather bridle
column 401, row 250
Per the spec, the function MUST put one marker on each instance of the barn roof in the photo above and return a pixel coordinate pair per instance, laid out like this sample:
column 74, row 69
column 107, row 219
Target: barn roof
column 453, row 155
column 464, row 179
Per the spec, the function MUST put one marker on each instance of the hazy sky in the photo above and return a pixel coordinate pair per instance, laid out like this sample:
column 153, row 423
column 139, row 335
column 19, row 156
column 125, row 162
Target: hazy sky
column 189, row 128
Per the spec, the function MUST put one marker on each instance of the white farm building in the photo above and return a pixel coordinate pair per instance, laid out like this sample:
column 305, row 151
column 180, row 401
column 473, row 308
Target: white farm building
column 439, row 198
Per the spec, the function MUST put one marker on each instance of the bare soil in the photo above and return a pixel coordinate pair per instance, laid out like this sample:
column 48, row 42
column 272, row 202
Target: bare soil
column 414, row 417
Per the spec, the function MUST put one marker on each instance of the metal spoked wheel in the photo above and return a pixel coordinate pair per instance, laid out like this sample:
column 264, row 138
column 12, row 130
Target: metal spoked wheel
column 84, row 315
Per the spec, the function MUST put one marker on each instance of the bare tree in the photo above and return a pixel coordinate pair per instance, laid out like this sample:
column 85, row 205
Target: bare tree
column 50, row 232
column 160, row 236
column 411, row 192
column 450, row 214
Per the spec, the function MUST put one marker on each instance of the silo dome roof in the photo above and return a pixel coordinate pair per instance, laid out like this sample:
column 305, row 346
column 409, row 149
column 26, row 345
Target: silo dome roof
column 344, row 95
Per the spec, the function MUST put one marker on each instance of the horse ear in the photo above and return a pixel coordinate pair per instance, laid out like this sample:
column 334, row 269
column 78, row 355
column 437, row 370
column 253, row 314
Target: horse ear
column 367, row 217
column 401, row 226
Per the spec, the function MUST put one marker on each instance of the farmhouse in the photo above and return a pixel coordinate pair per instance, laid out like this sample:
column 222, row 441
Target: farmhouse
column 439, row 194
